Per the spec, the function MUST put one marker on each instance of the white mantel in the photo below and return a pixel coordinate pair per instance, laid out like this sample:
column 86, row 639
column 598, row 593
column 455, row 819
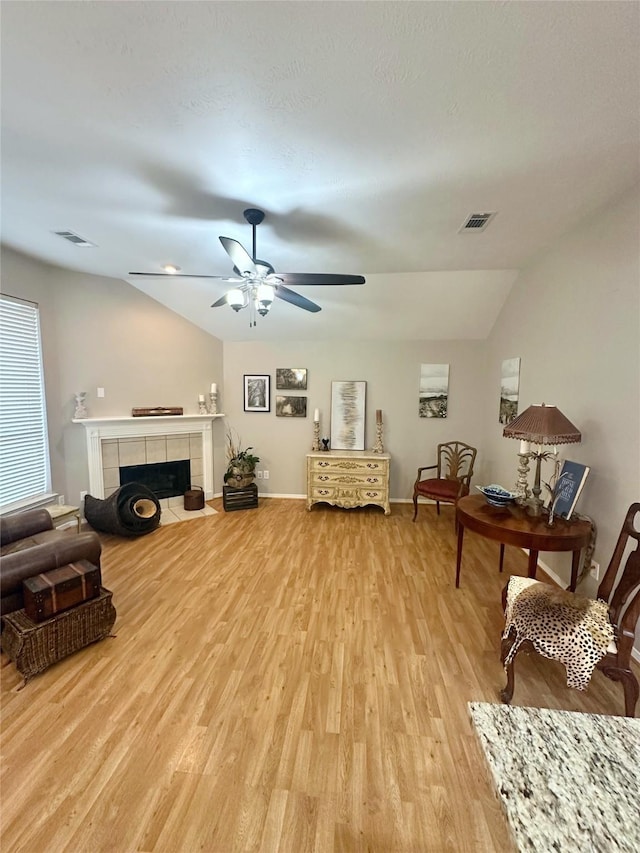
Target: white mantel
column 98, row 429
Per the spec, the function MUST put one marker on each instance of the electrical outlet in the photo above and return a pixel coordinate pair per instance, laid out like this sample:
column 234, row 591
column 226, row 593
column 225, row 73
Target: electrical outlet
column 259, row 474
column 266, row 475
column 60, row 500
column 594, row 571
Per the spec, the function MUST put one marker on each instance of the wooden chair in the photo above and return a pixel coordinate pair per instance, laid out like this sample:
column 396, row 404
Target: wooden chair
column 621, row 591
column 454, row 470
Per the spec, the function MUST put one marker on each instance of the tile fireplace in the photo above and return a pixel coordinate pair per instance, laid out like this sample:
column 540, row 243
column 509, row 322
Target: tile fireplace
column 113, row 443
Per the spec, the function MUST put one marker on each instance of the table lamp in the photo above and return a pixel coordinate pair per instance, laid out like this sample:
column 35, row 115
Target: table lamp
column 541, row 424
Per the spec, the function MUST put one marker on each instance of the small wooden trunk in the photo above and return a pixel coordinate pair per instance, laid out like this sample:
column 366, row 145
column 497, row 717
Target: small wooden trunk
column 57, row 590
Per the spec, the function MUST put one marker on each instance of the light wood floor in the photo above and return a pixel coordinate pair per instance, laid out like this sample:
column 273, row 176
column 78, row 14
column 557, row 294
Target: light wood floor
column 280, row 681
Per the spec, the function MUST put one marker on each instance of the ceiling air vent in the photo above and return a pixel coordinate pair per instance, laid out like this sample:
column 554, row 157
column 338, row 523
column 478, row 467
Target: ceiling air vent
column 74, row 238
column 476, row 222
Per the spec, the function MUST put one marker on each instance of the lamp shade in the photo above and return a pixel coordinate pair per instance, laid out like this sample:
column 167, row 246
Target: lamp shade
column 543, row 424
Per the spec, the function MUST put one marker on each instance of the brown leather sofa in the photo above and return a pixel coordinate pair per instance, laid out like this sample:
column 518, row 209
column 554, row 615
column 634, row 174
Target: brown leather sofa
column 29, row 545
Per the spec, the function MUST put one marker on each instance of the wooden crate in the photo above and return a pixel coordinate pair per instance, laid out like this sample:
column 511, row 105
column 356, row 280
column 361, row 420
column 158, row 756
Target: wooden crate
column 246, row 498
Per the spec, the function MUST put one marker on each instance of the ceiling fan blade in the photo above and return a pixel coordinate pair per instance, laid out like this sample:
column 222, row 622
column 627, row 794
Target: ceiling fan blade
column 242, row 260
column 299, row 279
column 287, row 295
column 221, row 301
column 184, row 275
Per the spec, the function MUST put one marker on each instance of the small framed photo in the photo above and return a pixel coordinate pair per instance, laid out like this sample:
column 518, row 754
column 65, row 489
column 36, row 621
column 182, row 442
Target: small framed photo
column 257, row 393
column 291, row 378
column 291, row 407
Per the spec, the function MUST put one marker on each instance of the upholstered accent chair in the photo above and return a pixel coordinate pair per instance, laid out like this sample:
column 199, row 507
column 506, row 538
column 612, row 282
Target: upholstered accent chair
column 453, row 472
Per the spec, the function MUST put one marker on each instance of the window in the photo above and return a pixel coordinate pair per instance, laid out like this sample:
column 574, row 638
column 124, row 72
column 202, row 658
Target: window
column 25, row 476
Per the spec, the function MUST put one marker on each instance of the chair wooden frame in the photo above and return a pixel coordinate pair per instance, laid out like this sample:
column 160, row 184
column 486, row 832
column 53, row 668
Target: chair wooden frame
column 455, row 465
column 622, row 592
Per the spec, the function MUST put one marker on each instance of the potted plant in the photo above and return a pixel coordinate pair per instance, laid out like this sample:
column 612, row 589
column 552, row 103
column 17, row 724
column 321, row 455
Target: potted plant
column 241, row 464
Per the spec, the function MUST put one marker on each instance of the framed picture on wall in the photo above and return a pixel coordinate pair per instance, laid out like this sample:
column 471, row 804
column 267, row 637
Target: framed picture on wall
column 434, row 391
column 291, row 378
column 291, row 407
column 257, row 393
column 509, row 390
column 347, row 414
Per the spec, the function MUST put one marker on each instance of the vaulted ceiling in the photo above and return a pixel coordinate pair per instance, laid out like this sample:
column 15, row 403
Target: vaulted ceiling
column 367, row 131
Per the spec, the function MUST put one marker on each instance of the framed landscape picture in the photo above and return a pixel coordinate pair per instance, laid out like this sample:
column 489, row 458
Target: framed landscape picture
column 257, row 393
column 291, row 407
column 509, row 390
column 291, row 378
column 347, row 414
column 434, row 391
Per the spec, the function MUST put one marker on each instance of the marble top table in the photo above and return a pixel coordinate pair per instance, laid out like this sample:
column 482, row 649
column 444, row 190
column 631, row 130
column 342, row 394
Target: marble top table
column 567, row 781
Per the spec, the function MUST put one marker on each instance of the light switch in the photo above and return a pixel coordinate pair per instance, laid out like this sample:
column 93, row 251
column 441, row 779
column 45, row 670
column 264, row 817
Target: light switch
column 100, row 392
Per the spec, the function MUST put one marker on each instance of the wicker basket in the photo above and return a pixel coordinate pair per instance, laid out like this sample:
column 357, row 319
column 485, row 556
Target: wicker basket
column 35, row 646
column 194, row 498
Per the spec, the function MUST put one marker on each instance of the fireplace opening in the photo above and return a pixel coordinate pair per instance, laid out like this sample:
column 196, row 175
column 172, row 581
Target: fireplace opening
column 165, row 479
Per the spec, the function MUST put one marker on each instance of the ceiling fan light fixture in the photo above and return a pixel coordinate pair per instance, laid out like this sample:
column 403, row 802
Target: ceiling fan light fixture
column 171, row 268
column 235, row 298
column 265, row 295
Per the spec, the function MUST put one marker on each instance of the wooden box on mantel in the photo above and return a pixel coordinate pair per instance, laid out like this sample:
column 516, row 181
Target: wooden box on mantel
column 158, row 411
column 246, row 498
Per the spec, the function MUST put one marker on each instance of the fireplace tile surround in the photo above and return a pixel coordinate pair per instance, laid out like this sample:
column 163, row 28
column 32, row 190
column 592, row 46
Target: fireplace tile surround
column 115, row 442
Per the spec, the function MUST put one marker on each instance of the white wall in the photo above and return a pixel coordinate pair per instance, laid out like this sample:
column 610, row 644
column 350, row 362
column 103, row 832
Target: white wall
column 101, row 332
column 392, row 373
column 573, row 316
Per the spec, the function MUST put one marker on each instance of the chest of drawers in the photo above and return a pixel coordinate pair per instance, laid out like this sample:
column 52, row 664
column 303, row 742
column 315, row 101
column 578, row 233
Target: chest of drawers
column 348, row 478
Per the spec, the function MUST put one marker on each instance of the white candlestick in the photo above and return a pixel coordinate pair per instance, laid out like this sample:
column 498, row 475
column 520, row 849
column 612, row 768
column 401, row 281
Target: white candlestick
column 201, row 398
column 316, row 415
column 214, row 388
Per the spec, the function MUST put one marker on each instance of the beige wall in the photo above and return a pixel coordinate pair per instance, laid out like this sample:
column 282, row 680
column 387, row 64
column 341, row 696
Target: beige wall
column 573, row 317
column 100, row 332
column 392, row 373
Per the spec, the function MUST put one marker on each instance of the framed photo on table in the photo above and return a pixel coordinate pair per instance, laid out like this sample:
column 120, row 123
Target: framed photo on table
column 257, row 392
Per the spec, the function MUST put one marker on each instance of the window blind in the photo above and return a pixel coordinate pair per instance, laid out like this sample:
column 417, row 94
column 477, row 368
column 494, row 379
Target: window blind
column 24, row 450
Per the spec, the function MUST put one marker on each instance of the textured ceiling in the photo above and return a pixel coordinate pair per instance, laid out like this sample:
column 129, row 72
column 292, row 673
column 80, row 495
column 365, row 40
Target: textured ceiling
column 367, row 131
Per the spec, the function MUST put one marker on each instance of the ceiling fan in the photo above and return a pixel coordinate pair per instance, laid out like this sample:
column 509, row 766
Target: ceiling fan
column 258, row 283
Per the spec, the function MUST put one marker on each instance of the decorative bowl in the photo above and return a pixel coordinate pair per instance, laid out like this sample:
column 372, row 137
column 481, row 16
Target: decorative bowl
column 496, row 495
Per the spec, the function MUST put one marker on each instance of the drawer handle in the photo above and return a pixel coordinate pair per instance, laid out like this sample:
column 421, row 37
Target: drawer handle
column 372, row 479
column 323, row 477
column 372, row 465
column 371, row 494
column 323, row 491
column 323, row 464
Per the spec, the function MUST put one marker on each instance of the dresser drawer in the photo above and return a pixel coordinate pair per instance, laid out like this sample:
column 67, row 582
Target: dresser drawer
column 345, row 496
column 348, row 478
column 352, row 466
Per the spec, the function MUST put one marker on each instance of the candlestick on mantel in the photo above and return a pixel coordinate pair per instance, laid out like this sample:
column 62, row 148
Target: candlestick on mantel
column 214, row 388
